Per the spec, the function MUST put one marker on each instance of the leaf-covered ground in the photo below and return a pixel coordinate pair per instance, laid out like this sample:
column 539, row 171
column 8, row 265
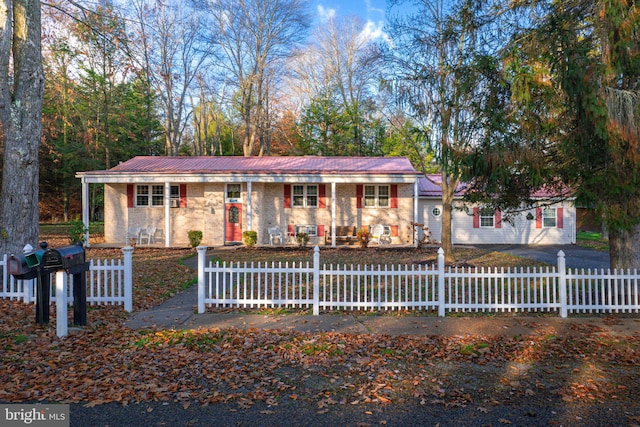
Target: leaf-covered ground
column 106, row 362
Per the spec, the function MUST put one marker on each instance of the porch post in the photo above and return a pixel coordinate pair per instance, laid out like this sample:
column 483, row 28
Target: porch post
column 249, row 207
column 333, row 214
column 85, row 210
column 415, row 212
column 167, row 214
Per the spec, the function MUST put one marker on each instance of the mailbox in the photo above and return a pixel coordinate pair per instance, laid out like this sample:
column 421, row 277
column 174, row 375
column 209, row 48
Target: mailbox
column 64, row 258
column 20, row 268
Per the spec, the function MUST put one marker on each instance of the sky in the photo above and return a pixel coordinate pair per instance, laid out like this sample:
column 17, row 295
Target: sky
column 372, row 12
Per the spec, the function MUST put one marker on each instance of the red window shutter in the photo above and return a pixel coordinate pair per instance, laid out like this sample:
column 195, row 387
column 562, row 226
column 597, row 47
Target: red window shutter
column 560, row 217
column 183, row 195
column 498, row 218
column 291, row 229
column 476, row 217
column 538, row 217
column 287, row 195
column 359, row 195
column 322, row 196
column 394, row 230
column 130, row 196
column 394, row 196
column 320, row 230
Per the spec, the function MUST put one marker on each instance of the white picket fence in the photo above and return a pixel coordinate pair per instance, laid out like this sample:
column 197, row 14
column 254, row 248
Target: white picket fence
column 108, row 282
column 322, row 287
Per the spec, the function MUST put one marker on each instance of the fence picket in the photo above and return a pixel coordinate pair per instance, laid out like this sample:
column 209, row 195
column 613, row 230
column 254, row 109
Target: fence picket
column 378, row 287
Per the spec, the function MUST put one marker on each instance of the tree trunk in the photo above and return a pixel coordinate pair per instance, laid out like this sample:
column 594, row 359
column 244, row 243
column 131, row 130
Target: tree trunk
column 21, row 95
column 448, row 187
column 624, row 248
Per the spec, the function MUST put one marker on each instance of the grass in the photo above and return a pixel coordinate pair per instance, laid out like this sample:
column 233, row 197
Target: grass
column 593, row 240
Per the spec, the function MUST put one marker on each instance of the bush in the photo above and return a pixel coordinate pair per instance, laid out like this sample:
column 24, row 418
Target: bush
column 76, row 232
column 302, row 239
column 363, row 237
column 195, row 237
column 249, row 238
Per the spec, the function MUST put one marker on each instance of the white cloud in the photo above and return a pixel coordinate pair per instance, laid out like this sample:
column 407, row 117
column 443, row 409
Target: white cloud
column 374, row 31
column 326, row 14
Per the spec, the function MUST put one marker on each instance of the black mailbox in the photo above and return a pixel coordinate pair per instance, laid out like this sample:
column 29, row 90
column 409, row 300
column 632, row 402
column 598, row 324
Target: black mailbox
column 64, row 258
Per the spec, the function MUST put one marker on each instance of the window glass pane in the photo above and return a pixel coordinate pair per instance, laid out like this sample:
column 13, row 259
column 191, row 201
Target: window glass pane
column 233, row 191
column 157, row 197
column 486, row 217
column 549, row 217
column 369, row 190
column 312, row 196
column 298, row 190
column 298, row 201
column 175, row 191
column 383, row 196
column 234, row 215
column 142, row 195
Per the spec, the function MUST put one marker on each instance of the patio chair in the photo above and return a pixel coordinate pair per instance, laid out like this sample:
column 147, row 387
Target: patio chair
column 149, row 234
column 275, row 233
column 132, row 234
column 380, row 235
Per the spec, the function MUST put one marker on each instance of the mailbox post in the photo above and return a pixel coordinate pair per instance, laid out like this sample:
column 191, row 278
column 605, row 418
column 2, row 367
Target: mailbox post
column 39, row 265
column 72, row 260
column 28, row 266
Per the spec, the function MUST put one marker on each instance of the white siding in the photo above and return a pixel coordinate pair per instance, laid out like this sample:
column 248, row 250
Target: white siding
column 518, row 230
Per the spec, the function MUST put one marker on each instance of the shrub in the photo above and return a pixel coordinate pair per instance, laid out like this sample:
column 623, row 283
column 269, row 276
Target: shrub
column 249, row 238
column 363, row 237
column 302, row 239
column 76, row 232
column 195, row 237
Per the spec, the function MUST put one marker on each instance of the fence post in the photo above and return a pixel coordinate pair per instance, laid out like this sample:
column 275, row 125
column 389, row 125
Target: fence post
column 128, row 278
column 62, row 328
column 202, row 260
column 441, row 299
column 562, row 284
column 316, row 281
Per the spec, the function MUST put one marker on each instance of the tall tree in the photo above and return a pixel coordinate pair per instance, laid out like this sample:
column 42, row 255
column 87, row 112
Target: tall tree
column 253, row 36
column 337, row 76
column 172, row 51
column 21, row 93
column 435, row 80
column 574, row 73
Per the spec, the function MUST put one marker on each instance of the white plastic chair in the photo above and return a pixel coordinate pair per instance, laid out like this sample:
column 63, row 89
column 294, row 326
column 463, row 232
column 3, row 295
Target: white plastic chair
column 149, row 234
column 275, row 233
column 380, row 235
column 133, row 234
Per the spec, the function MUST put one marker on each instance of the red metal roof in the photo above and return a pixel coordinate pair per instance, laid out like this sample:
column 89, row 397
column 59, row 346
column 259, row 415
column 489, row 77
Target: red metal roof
column 429, row 187
column 262, row 165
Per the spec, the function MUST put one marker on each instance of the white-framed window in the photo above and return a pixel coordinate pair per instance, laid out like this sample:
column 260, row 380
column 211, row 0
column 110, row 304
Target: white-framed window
column 376, row 196
column 149, row 195
column 175, row 196
column 234, row 193
column 305, row 196
column 549, row 217
column 487, row 218
column 310, row 229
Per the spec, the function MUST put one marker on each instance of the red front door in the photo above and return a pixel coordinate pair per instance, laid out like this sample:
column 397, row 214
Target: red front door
column 233, row 222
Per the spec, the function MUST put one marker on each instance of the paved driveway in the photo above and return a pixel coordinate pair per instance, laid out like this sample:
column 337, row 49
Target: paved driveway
column 575, row 256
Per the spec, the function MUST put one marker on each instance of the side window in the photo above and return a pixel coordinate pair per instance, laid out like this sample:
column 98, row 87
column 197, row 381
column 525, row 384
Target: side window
column 549, row 217
column 487, row 217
